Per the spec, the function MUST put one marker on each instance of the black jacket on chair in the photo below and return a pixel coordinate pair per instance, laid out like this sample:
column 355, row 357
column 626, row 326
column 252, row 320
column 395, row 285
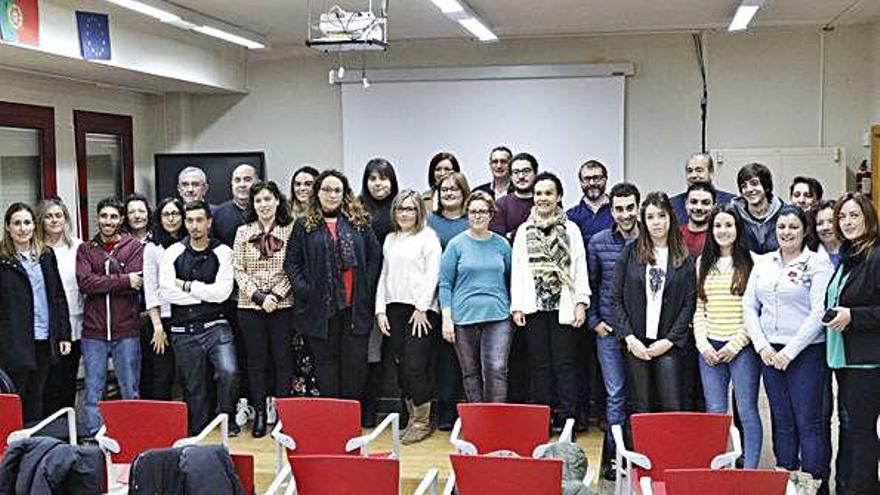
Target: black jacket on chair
column 861, row 294
column 45, row 466
column 17, row 312
column 306, row 265
column 630, row 304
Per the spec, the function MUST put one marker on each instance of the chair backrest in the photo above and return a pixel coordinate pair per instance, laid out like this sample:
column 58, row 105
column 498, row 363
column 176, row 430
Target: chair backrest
column 679, row 440
column 725, row 482
column 345, row 474
column 140, row 425
column 516, row 427
column 486, row 475
column 11, row 418
column 244, row 468
column 319, row 426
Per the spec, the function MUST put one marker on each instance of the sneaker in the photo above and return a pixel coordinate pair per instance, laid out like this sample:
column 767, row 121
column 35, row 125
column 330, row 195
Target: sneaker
column 243, row 413
column 271, row 413
column 234, row 430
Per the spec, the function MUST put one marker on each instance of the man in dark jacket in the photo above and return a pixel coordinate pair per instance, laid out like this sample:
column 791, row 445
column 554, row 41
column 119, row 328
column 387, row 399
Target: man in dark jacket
column 196, row 277
column 699, row 168
column 602, row 254
column 109, row 273
column 499, row 165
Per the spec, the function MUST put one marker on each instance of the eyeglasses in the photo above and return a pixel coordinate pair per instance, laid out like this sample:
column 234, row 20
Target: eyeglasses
column 332, row 191
column 406, row 209
column 171, row 214
column 593, row 178
column 444, row 190
column 478, row 213
column 521, row 171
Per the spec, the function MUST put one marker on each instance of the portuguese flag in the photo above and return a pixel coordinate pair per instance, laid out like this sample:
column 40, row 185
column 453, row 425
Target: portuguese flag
column 20, row 21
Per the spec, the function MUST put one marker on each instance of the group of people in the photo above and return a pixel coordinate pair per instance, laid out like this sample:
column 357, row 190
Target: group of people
column 623, row 303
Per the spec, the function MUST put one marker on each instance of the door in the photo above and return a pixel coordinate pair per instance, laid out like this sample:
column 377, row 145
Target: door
column 27, row 153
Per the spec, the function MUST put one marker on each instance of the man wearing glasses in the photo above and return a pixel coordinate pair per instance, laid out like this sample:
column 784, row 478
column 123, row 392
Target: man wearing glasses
column 499, row 165
column 514, row 209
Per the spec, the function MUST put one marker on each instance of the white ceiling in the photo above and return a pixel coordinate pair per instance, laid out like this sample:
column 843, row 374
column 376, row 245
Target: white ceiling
column 285, row 21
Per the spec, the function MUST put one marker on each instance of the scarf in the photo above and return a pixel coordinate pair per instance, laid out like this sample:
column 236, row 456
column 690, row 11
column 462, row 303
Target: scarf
column 549, row 250
column 341, row 257
column 266, row 243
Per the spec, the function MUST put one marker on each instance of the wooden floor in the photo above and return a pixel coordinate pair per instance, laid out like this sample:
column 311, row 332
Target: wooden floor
column 415, row 460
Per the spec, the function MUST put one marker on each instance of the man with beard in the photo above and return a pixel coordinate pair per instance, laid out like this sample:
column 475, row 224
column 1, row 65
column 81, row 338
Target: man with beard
column 592, row 214
column 499, row 165
column 699, row 168
column 602, row 254
column 699, row 205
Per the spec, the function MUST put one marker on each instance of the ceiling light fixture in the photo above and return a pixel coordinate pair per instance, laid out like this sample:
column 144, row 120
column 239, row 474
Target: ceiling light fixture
column 448, row 6
column 147, row 10
column 478, row 29
column 462, row 13
column 744, row 14
column 232, row 38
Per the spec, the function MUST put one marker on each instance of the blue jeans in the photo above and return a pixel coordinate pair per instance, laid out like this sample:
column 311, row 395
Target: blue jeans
column 126, row 354
column 614, row 377
column 745, row 373
column 796, row 410
column 483, row 349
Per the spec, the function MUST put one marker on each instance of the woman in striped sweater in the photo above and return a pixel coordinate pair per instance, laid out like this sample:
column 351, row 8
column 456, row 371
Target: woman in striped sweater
column 719, row 330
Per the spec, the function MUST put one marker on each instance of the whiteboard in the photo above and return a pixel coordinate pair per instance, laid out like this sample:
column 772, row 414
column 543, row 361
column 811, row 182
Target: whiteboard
column 562, row 121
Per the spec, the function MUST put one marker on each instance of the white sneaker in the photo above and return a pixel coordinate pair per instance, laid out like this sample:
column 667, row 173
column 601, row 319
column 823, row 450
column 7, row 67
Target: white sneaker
column 271, row 413
column 243, row 412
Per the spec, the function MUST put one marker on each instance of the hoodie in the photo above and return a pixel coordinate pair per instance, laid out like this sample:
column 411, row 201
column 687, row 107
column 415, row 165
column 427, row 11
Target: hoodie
column 762, row 233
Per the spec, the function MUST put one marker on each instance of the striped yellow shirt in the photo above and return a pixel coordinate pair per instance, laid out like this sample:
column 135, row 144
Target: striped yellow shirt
column 720, row 316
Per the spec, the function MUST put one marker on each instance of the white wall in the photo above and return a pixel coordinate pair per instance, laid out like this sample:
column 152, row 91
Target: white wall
column 764, row 91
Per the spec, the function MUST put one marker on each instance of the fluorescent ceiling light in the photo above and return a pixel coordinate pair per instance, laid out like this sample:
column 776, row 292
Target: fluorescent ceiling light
column 232, row 38
column 148, row 10
column 743, row 17
column 478, row 29
column 448, row 6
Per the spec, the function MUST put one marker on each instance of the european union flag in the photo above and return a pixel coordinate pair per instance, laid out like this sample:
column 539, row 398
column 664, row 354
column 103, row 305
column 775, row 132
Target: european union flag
column 94, row 35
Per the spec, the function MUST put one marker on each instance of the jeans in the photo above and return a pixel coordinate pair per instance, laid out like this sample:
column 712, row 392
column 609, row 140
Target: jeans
column 193, row 352
column 30, row 384
column 745, row 373
column 410, row 354
column 862, row 403
column 157, row 370
column 267, row 342
column 60, row 390
column 656, row 385
column 340, row 359
column 553, row 362
column 796, row 412
column 482, row 350
column 613, row 370
column 126, row 354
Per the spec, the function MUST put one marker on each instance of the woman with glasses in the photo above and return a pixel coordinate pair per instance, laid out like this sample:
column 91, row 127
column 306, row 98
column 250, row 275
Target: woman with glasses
column 783, row 307
column 549, row 297
column 449, row 220
column 157, row 367
column 654, row 296
column 475, row 298
column 441, row 165
column 406, row 307
column 333, row 261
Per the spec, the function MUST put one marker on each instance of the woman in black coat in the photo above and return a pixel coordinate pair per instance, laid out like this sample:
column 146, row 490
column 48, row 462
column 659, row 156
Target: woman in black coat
column 854, row 337
column 333, row 261
column 34, row 324
column 654, row 297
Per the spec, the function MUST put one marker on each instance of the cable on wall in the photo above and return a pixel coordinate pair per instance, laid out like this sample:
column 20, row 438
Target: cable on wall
column 704, row 99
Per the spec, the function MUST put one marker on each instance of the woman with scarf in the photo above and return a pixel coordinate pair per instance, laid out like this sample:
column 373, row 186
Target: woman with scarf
column 549, row 296
column 333, row 261
column 264, row 296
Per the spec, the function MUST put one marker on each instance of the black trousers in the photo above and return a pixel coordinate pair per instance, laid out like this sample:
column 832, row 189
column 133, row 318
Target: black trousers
column 157, row 370
column 518, row 380
column 553, row 362
column 656, row 385
column 29, row 384
column 267, row 342
column 411, row 354
column 340, row 359
column 60, row 389
column 448, row 380
column 862, row 402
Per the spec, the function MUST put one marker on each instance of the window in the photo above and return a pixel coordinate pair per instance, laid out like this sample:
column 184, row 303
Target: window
column 27, row 153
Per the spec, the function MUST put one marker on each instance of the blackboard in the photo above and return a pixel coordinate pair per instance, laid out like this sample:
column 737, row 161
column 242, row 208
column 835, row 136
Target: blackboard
column 217, row 166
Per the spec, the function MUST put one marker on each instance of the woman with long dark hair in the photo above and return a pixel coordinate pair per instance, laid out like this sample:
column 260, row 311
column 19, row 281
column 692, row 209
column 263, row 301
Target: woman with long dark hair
column 301, row 190
column 157, row 358
column 719, row 331
column 264, row 296
column 854, row 337
column 54, row 230
column 333, row 261
column 36, row 324
column 783, row 307
column 441, row 165
column 654, row 297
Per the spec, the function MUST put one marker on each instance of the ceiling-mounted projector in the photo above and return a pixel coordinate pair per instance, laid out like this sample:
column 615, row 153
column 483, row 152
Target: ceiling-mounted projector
column 341, row 30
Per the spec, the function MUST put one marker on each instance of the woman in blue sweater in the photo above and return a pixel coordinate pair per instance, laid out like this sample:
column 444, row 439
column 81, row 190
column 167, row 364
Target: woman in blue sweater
column 475, row 300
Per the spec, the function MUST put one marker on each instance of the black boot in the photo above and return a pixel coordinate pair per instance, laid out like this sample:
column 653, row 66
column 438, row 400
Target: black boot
column 259, row 427
column 607, row 463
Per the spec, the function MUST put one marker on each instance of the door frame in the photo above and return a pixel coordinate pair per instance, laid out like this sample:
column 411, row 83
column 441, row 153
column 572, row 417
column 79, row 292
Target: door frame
column 41, row 119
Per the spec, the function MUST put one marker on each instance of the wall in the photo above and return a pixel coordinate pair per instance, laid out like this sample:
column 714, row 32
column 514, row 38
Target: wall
column 764, row 91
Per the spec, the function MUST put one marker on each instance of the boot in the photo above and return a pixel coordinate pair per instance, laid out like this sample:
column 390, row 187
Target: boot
column 409, row 417
column 420, row 425
column 259, row 427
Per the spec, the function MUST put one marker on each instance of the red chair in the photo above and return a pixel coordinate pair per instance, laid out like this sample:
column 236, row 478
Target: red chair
column 345, row 474
column 321, row 426
column 488, row 427
column 12, row 422
column 725, row 482
column 677, row 440
column 486, row 475
column 134, row 426
column 244, row 468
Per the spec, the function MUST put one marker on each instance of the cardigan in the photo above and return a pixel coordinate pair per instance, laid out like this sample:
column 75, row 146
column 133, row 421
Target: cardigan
column 522, row 283
column 256, row 277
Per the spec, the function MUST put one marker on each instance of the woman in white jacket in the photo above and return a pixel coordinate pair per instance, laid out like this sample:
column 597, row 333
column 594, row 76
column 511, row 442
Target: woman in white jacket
column 550, row 293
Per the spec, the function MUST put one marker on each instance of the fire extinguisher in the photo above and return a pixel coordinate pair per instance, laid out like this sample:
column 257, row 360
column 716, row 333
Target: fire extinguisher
column 863, row 179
